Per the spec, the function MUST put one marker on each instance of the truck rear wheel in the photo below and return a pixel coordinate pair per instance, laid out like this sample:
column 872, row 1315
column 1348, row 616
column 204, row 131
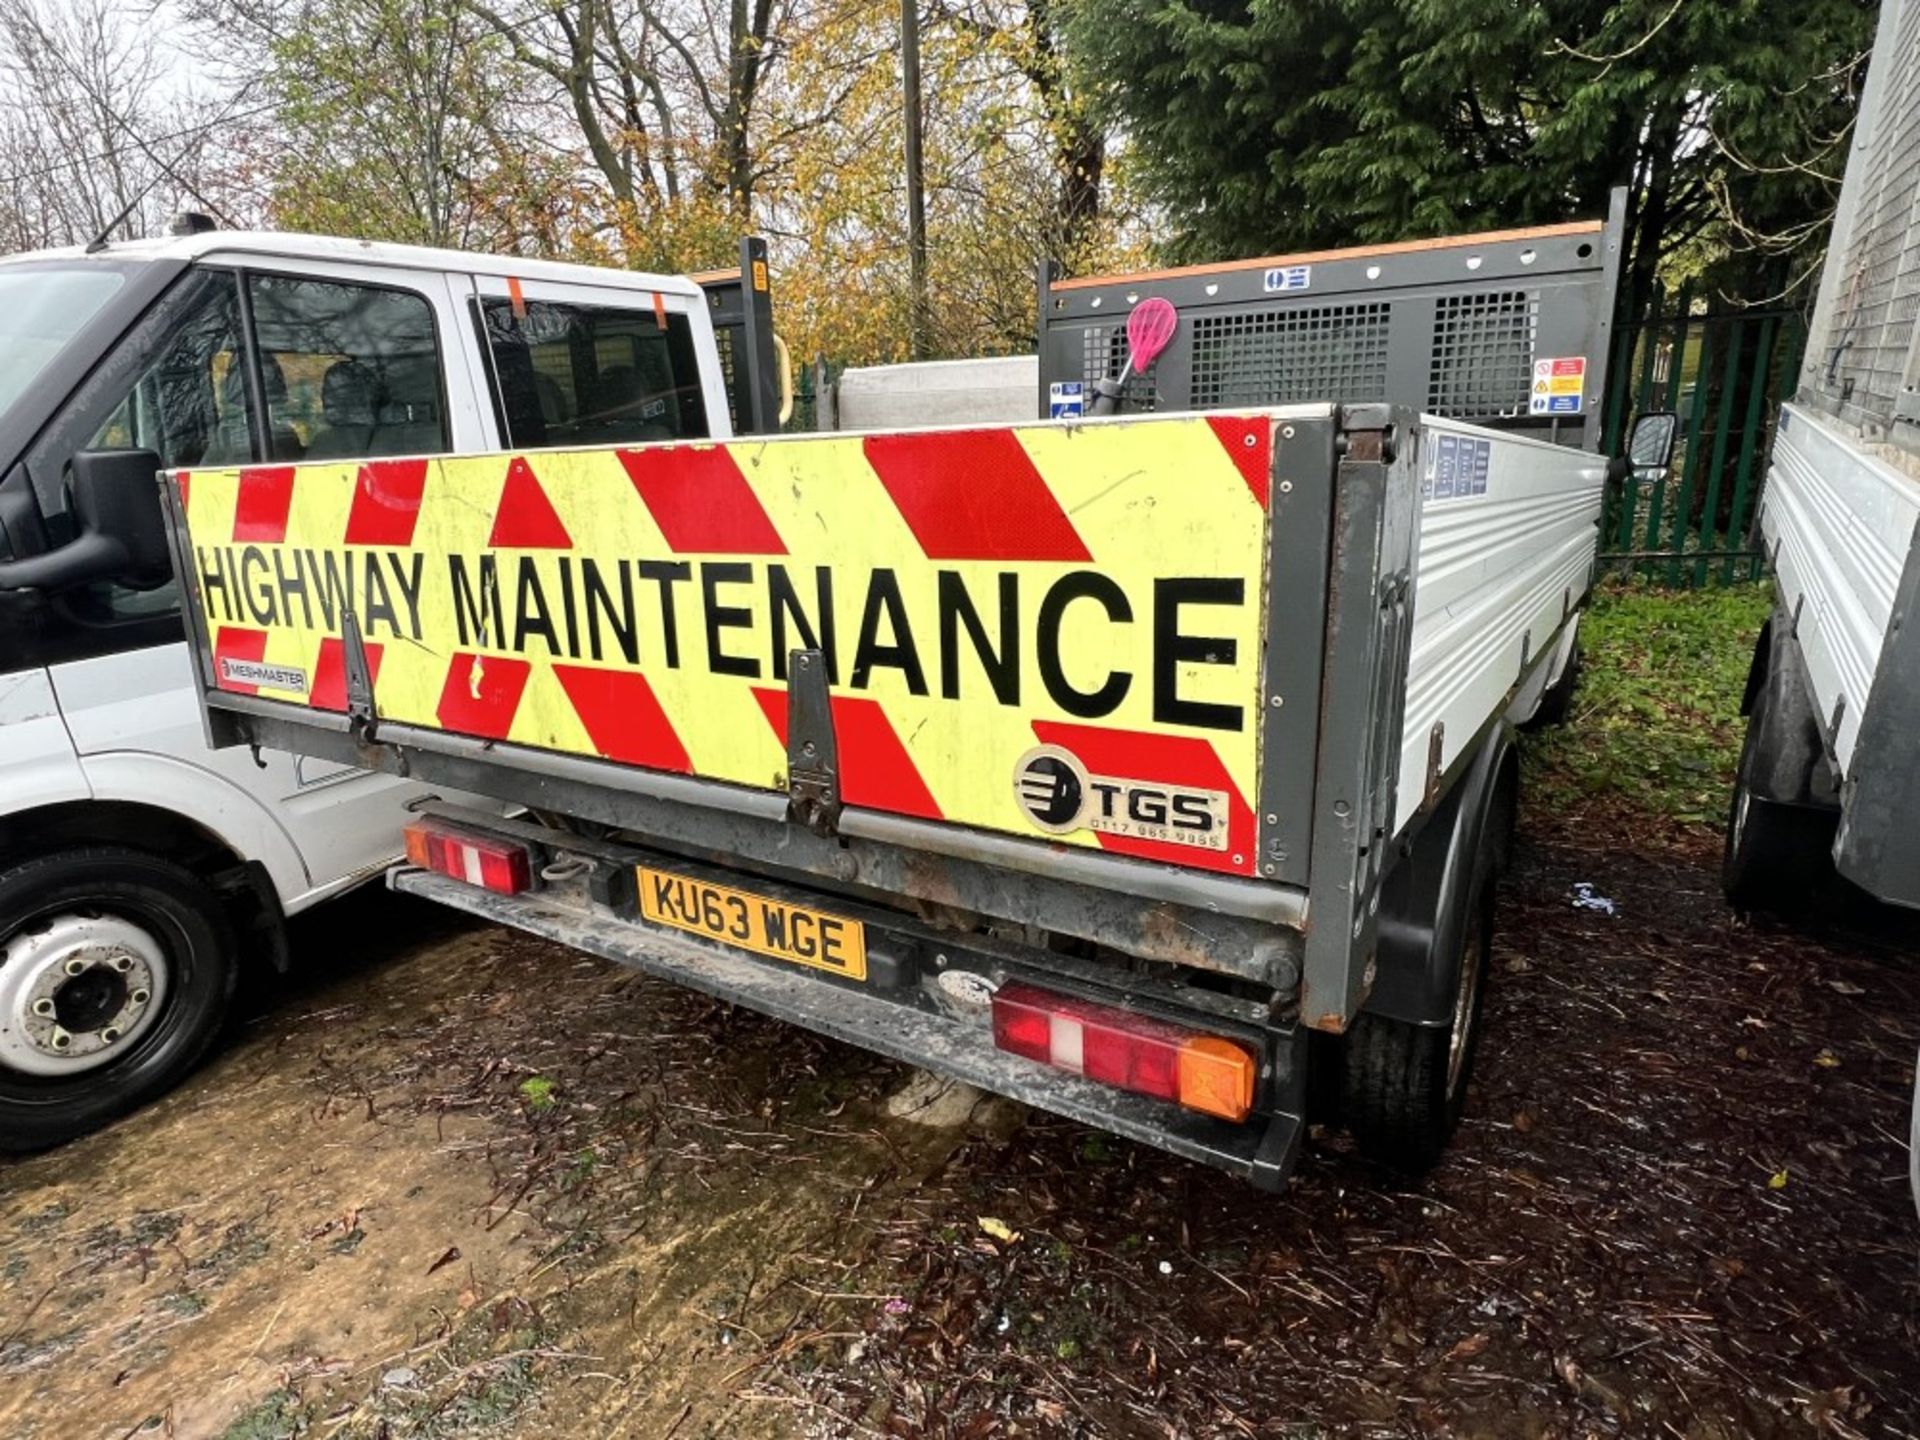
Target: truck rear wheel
column 1404, row 1085
column 116, row 971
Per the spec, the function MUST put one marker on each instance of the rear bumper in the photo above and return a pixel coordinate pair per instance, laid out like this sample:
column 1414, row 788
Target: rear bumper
column 1252, row 929
column 956, row 1042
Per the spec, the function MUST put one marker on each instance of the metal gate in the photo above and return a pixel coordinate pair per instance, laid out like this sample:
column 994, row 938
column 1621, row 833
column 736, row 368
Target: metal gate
column 1724, row 374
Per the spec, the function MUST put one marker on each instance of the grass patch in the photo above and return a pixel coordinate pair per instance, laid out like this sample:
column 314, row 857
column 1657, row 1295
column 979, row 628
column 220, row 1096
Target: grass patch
column 280, row 1416
column 1656, row 718
column 537, row 1091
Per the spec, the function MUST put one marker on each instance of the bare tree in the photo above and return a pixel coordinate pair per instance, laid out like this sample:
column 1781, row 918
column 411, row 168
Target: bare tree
column 87, row 148
column 664, row 93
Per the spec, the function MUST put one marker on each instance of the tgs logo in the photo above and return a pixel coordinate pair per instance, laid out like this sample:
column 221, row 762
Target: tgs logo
column 1051, row 786
column 1056, row 793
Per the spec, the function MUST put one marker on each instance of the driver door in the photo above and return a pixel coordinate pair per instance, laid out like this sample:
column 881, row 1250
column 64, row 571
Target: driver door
column 194, row 385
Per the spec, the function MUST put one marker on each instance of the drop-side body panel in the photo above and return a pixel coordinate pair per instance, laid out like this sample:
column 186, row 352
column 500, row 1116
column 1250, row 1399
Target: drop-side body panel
column 1097, row 637
column 1838, row 520
column 1508, row 533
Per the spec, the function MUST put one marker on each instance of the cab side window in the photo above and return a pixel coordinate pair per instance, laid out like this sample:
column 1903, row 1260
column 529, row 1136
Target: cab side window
column 350, row 371
column 592, row 374
column 189, row 405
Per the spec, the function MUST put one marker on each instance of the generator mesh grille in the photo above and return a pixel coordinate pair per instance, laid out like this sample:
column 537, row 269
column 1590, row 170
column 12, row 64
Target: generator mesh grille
column 723, row 340
column 1868, row 344
column 1286, row 354
column 1483, row 353
column 1104, row 356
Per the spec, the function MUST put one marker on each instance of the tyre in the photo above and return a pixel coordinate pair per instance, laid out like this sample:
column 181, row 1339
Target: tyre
column 1556, row 701
column 116, row 972
column 1778, row 857
column 1404, row 1085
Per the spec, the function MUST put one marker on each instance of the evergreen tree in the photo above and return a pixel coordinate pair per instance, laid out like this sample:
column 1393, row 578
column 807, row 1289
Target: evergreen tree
column 1268, row 125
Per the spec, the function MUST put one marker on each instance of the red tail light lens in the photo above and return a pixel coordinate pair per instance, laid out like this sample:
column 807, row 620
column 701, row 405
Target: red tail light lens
column 1133, row 1052
column 497, row 865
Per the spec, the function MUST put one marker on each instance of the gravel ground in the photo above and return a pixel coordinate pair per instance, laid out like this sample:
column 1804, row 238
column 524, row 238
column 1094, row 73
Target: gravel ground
column 1678, row 1206
column 468, row 1184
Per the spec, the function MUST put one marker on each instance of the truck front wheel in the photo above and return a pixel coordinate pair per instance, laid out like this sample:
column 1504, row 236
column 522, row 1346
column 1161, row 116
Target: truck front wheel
column 116, row 971
column 1405, row 1084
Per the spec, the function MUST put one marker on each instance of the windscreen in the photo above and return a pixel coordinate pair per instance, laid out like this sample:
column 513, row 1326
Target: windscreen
column 40, row 311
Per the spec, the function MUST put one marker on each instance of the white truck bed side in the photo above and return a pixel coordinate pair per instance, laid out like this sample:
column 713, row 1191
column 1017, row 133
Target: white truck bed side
column 1507, row 560
column 1838, row 521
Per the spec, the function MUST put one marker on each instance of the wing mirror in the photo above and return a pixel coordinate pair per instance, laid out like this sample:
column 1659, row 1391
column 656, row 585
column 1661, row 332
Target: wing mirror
column 1649, row 448
column 116, row 500
column 1650, row 445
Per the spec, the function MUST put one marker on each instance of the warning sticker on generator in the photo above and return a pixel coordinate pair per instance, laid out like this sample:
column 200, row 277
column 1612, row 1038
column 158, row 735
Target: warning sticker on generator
column 1559, row 386
column 973, row 594
column 1282, row 278
column 1458, row 467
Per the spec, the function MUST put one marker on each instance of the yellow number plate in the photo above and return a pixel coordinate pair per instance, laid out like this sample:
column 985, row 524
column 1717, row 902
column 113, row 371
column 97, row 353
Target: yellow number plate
column 753, row 922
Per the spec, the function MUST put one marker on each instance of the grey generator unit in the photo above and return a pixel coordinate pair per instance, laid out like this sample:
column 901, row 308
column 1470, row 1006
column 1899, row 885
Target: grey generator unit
column 1829, row 774
column 1508, row 329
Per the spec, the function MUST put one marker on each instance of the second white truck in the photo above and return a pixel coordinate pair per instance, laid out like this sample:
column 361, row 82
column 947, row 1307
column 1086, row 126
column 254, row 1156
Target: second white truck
column 1830, row 774
column 139, row 870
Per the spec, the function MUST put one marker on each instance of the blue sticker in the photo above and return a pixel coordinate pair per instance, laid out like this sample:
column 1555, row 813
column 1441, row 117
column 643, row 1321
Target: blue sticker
column 1289, row 277
column 1066, row 399
column 1449, row 459
column 1458, row 468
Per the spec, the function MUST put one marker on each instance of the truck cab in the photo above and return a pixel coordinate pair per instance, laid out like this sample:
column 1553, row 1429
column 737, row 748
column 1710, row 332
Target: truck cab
column 138, row 867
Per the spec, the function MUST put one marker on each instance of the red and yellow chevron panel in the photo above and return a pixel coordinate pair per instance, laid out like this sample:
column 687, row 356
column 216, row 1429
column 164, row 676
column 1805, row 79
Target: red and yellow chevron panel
column 1052, row 631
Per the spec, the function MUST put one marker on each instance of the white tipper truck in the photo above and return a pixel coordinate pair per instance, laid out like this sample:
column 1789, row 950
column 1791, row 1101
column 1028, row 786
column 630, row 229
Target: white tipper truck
column 1156, row 770
column 139, row 870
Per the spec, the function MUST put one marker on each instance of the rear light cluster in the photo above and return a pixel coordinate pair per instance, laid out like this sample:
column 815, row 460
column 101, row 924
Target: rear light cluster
column 497, row 865
column 1117, row 1047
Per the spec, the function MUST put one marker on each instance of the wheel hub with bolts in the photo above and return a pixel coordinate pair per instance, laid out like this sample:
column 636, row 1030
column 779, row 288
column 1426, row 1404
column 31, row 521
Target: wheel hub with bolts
column 76, row 991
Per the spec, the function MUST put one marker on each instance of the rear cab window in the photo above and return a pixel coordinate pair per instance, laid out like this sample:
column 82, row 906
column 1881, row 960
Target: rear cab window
column 568, row 374
column 350, row 371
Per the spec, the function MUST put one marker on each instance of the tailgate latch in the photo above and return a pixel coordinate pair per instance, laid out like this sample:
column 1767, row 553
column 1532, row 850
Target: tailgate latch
column 361, row 714
column 813, row 757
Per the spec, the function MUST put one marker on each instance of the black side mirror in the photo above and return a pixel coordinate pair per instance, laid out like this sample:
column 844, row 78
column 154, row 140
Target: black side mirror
column 116, row 499
column 1650, row 445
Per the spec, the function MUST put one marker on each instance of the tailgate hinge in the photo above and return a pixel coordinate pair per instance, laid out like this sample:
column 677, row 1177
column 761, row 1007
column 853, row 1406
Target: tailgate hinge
column 813, row 757
column 361, row 714
column 1367, row 434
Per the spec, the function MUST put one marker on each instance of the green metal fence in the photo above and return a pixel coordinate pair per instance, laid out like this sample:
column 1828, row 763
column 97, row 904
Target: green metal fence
column 1724, row 374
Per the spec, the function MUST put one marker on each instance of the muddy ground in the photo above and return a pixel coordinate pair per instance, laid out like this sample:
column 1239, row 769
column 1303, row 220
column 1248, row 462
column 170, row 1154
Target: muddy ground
column 472, row 1185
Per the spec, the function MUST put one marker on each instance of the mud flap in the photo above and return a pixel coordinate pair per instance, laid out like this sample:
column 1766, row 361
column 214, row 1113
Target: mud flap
column 1423, row 904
